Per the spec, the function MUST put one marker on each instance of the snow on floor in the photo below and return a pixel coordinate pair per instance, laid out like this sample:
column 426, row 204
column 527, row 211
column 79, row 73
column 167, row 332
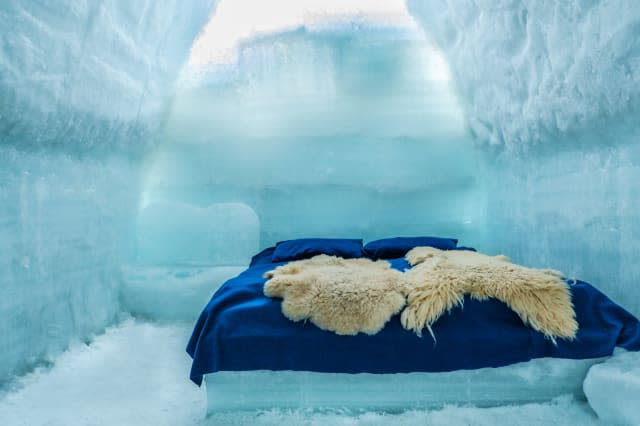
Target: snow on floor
column 134, row 374
column 137, row 374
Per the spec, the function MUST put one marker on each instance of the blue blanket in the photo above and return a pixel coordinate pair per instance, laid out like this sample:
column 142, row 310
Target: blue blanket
column 241, row 329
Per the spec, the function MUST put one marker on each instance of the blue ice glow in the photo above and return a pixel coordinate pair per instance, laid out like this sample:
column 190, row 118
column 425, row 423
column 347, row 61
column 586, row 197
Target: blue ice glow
column 334, row 131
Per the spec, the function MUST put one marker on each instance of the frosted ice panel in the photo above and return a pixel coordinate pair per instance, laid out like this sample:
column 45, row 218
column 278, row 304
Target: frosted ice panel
column 219, row 234
column 575, row 211
column 326, row 133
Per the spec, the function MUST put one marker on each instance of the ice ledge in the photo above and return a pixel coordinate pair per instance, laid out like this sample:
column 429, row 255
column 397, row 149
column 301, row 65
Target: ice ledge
column 164, row 293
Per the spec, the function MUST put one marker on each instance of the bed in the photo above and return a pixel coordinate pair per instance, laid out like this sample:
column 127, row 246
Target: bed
column 251, row 356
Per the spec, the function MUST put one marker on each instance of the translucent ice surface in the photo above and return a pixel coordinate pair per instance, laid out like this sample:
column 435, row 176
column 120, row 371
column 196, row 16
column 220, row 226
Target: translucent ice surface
column 170, row 233
column 576, row 211
column 177, row 293
column 62, row 221
column 332, row 131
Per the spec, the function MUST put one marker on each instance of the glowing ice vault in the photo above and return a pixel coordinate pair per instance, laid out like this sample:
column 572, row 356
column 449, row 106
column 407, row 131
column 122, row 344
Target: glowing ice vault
column 320, row 122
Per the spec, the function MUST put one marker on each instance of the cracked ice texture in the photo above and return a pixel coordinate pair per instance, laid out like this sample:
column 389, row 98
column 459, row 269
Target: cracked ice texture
column 84, row 86
column 531, row 71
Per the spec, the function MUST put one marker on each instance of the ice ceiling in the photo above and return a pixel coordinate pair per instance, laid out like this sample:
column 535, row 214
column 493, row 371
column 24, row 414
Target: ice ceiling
column 242, row 19
column 531, row 149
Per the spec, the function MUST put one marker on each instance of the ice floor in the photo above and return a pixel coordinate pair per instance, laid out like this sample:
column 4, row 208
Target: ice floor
column 137, row 374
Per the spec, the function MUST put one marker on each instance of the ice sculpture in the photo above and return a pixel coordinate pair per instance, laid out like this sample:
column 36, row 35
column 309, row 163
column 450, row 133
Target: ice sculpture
column 84, row 88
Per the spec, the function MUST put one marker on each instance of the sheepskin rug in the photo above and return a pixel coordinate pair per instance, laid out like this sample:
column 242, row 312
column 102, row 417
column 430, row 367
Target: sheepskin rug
column 346, row 296
column 439, row 280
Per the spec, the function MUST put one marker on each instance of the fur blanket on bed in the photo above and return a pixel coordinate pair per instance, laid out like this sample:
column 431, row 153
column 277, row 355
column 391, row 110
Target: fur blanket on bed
column 348, row 296
column 439, row 280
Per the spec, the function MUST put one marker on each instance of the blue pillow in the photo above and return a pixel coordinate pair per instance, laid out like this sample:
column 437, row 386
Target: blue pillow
column 263, row 257
column 305, row 248
column 392, row 248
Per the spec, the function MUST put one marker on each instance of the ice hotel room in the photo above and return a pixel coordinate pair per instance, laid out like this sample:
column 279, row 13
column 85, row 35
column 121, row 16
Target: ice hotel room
column 319, row 212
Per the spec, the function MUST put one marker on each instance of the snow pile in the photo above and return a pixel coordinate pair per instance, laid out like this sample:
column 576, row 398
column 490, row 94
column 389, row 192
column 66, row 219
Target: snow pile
column 613, row 389
column 531, row 71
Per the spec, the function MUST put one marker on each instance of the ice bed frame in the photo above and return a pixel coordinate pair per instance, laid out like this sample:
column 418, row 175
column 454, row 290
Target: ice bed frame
column 533, row 381
column 537, row 380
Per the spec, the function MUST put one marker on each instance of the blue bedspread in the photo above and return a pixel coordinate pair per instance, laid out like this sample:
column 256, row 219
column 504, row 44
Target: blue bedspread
column 241, row 329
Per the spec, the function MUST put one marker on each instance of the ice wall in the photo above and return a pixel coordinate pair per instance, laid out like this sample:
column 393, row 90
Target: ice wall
column 84, row 87
column 531, row 71
column 62, row 223
column 327, row 132
column 552, row 91
column 91, row 75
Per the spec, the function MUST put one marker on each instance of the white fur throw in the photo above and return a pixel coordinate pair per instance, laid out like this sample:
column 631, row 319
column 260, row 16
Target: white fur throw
column 439, row 280
column 346, row 296
column 349, row 296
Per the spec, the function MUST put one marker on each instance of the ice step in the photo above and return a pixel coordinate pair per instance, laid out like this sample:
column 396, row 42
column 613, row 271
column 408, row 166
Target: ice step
column 166, row 293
